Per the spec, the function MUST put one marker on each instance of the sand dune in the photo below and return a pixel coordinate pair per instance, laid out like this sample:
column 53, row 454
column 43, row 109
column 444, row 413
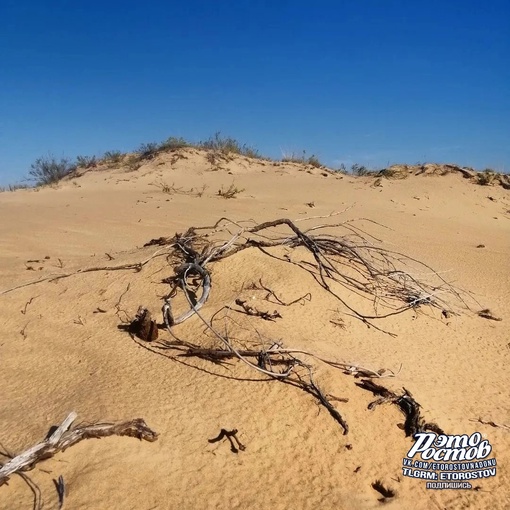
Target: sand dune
column 61, row 348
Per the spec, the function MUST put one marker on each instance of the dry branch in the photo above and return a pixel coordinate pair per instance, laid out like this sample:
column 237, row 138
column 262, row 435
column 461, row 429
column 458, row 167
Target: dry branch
column 34, row 488
column 189, row 350
column 251, row 310
column 230, row 434
column 64, row 437
column 492, row 424
column 414, row 422
column 136, row 266
column 305, row 297
column 314, row 390
column 29, row 302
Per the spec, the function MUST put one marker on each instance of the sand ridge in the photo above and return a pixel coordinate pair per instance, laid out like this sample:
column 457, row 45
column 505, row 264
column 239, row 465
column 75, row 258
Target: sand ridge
column 70, row 358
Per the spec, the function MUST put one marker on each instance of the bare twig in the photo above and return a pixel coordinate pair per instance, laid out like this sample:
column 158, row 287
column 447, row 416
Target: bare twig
column 29, row 302
column 182, row 274
column 171, row 190
column 305, row 297
column 230, row 347
column 23, row 331
column 79, row 321
column 64, row 437
column 312, row 388
column 491, row 423
column 36, row 491
column 309, row 386
column 250, row 310
column 118, row 308
column 335, row 213
column 136, row 266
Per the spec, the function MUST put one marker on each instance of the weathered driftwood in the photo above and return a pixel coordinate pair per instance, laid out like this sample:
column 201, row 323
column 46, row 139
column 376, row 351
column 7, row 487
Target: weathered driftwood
column 64, row 437
column 414, row 422
column 269, row 359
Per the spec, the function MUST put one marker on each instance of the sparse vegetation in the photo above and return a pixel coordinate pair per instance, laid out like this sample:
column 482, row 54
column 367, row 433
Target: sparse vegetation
column 393, row 173
column 223, row 149
column 13, row 187
column 148, row 150
column 86, row 161
column 313, row 160
column 133, row 163
column 212, row 157
column 151, row 150
column 171, row 190
column 49, row 170
column 486, row 178
column 227, row 146
column 360, row 170
column 219, row 150
column 231, row 192
column 292, row 158
column 113, row 157
column 173, row 143
column 164, row 187
column 249, row 152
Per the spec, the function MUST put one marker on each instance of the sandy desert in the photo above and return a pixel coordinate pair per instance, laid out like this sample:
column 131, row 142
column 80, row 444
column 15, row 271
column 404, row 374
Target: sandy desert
column 65, row 344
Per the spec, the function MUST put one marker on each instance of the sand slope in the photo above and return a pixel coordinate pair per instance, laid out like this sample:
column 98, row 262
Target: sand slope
column 58, row 355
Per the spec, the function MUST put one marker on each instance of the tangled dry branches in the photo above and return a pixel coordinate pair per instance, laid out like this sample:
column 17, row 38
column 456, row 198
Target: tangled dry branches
column 348, row 261
column 387, row 280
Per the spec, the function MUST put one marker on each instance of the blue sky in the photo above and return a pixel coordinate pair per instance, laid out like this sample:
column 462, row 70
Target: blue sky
column 369, row 81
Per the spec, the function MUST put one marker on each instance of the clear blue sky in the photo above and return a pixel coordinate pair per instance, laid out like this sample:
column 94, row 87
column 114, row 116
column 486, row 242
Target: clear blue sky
column 368, row 81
